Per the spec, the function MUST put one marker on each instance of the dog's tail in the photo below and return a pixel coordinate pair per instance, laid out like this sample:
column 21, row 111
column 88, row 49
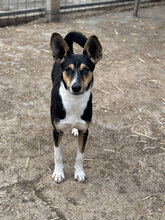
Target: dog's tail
column 76, row 37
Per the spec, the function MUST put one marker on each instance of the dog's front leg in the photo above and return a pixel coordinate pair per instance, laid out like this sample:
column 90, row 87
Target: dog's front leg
column 79, row 171
column 58, row 174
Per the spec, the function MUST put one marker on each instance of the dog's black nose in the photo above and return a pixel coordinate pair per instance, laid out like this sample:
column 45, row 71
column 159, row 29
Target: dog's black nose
column 76, row 87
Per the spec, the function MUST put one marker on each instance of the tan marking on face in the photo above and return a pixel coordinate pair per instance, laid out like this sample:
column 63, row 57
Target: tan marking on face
column 82, row 66
column 67, row 79
column 86, row 79
column 71, row 66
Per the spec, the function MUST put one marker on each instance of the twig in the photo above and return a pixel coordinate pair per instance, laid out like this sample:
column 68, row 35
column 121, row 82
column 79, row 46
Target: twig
column 148, row 197
column 144, row 135
column 116, row 32
column 36, row 197
column 141, row 164
column 12, row 119
column 31, row 118
column 154, row 80
column 134, row 34
column 139, row 81
column 142, row 60
column 106, row 175
column 27, row 163
column 106, row 142
column 55, row 207
column 47, row 51
column 36, row 184
column 110, row 150
column 103, row 91
column 139, row 117
column 149, row 54
column 117, row 88
column 118, row 150
column 49, row 169
column 39, row 145
column 145, row 131
column 141, row 141
column 32, row 146
column 146, row 148
column 88, row 159
column 108, row 109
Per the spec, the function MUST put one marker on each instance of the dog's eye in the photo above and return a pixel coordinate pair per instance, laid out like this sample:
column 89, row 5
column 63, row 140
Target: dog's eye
column 85, row 71
column 68, row 71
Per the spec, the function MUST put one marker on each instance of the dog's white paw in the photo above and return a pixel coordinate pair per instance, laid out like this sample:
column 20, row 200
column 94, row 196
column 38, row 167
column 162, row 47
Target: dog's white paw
column 58, row 176
column 79, row 175
column 75, row 131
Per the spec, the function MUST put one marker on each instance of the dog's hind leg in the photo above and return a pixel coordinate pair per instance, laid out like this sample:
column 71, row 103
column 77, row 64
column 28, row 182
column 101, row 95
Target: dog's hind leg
column 58, row 174
column 79, row 171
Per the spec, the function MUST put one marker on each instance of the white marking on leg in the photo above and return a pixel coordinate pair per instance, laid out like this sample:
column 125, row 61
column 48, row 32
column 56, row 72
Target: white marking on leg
column 75, row 131
column 58, row 174
column 79, row 171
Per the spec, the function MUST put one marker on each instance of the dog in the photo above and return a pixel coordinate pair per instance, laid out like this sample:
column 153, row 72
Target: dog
column 71, row 97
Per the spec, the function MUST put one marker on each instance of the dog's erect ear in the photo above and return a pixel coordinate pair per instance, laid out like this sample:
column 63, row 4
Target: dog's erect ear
column 93, row 49
column 59, row 48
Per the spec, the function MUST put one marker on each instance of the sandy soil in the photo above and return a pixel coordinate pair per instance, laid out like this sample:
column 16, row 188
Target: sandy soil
column 126, row 147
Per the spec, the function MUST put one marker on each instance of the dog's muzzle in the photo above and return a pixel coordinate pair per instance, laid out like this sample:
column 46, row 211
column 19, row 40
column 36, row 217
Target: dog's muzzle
column 76, row 88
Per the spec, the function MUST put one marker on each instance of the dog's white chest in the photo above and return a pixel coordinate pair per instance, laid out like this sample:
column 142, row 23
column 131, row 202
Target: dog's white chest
column 74, row 106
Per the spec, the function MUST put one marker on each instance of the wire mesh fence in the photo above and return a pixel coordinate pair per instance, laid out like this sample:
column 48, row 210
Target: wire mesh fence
column 11, row 5
column 16, row 5
column 22, row 11
column 73, row 5
column 14, row 12
column 82, row 2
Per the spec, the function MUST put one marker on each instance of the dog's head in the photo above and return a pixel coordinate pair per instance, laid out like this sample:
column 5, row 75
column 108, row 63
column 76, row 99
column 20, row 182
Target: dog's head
column 77, row 69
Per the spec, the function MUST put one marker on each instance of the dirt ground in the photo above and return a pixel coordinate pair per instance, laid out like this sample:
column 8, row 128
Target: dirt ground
column 125, row 162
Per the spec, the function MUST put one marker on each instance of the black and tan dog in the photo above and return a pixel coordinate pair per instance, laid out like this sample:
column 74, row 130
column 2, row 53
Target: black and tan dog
column 71, row 100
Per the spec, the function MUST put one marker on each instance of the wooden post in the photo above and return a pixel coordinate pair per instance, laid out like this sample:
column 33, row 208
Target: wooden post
column 52, row 10
column 136, row 7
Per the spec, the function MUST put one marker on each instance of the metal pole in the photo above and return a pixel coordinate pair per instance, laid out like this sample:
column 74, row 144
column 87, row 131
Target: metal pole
column 136, row 7
column 1, row 5
column 52, row 10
